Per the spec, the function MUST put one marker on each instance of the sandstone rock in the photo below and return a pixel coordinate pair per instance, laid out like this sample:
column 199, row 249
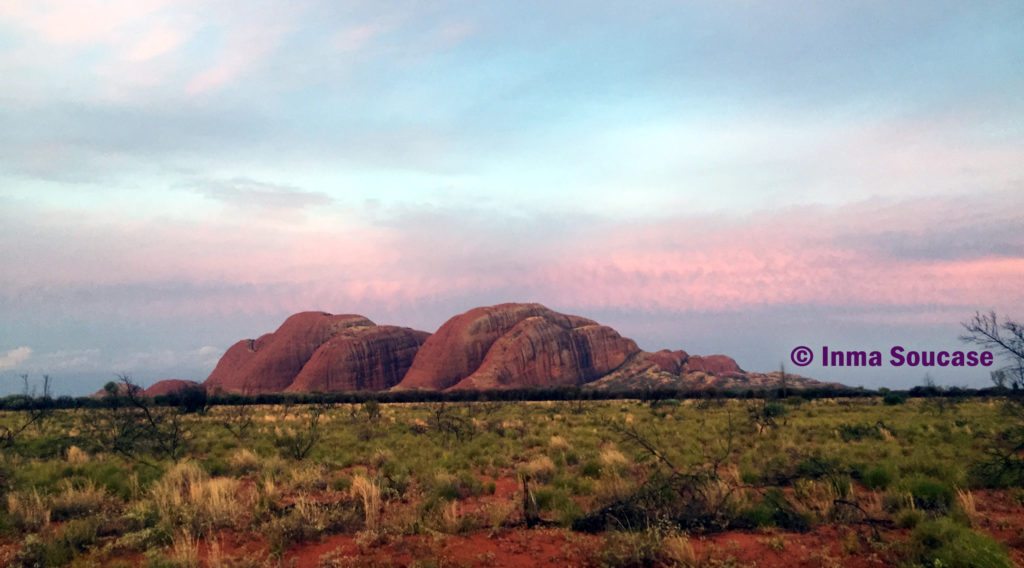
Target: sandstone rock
column 360, row 358
column 459, row 346
column 668, row 361
column 516, row 345
column 712, row 364
column 541, row 352
column 271, row 363
column 169, row 386
column 502, row 346
column 122, row 390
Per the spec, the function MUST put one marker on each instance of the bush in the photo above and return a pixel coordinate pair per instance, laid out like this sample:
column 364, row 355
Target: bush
column 774, row 510
column 641, row 548
column 540, row 469
column 80, row 534
column 591, row 469
column 942, row 542
column 37, row 551
column 857, row 432
column 73, row 502
column 28, row 511
column 309, row 520
column 931, row 494
column 186, row 497
column 877, row 477
column 774, row 410
column 243, row 461
column 892, row 399
column 909, row 518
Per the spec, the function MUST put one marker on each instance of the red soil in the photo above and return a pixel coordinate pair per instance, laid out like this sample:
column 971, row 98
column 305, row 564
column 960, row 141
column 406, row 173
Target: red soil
column 536, row 548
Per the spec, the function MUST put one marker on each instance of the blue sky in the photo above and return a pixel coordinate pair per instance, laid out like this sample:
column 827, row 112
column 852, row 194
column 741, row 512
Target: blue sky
column 732, row 177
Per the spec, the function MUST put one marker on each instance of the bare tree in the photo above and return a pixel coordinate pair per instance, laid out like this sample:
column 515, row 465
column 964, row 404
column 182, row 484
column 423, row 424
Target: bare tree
column 693, row 497
column 132, row 427
column 1004, row 336
column 297, row 442
column 1004, row 457
column 445, row 420
column 238, row 420
column 34, row 411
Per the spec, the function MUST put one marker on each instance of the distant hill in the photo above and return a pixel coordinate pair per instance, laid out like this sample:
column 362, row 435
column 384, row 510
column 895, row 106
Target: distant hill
column 506, row 346
column 169, row 386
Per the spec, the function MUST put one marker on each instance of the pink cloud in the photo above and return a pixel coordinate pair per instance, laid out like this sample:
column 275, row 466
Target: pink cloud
column 83, row 21
column 798, row 257
column 155, row 43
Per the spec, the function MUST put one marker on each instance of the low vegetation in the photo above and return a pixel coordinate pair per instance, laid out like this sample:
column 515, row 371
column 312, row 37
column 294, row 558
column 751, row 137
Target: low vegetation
column 626, row 482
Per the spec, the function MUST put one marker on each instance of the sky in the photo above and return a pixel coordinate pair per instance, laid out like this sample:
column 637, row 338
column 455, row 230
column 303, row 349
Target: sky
column 722, row 177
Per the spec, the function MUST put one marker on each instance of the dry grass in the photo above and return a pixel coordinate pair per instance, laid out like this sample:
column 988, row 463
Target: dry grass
column 312, row 514
column 187, row 496
column 368, row 493
column 612, row 458
column 77, row 456
column 80, row 501
column 540, row 469
column 185, row 550
column 815, row 499
column 243, row 461
column 967, row 504
column 613, row 487
column 381, row 457
column 28, row 511
column 558, row 443
column 498, row 513
column 401, row 519
column 419, row 425
column 886, row 434
column 677, row 551
column 450, row 520
column 308, row 478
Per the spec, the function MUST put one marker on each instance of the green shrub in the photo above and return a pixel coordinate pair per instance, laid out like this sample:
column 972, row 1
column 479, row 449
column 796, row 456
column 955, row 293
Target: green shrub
column 774, row 510
column 944, row 543
column 591, row 469
column 80, row 534
column 857, row 432
column 642, row 548
column 774, row 410
column 892, row 399
column 78, row 500
column 38, row 551
column 559, row 502
column 816, row 467
column 877, row 477
column 909, row 518
column 931, row 494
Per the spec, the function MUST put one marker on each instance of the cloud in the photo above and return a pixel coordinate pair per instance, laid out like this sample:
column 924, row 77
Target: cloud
column 76, row 360
column 155, row 43
column 245, row 193
column 15, row 357
column 848, row 256
column 81, row 22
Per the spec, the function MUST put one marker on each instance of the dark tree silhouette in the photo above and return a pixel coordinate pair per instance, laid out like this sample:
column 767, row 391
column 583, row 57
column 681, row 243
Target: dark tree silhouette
column 1004, row 461
column 1006, row 337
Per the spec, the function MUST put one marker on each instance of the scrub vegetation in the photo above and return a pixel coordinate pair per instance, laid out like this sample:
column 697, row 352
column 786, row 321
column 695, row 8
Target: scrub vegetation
column 782, row 481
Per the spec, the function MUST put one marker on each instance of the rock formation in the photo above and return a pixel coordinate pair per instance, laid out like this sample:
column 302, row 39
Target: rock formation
column 354, row 346
column 169, row 386
column 494, row 347
column 514, row 346
column 360, row 358
column 677, row 370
